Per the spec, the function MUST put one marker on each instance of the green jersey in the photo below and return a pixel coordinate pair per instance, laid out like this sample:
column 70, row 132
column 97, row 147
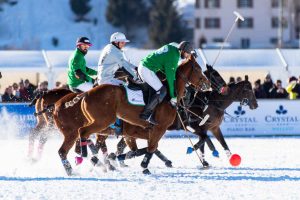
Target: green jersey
column 165, row 60
column 76, row 62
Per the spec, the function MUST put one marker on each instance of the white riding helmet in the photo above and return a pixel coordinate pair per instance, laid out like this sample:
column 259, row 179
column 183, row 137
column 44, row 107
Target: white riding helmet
column 118, row 37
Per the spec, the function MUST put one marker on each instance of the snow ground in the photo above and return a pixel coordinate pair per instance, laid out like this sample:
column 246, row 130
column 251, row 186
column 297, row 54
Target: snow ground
column 270, row 169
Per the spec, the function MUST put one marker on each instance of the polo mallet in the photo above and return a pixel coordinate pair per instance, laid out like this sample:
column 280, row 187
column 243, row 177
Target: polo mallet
column 238, row 17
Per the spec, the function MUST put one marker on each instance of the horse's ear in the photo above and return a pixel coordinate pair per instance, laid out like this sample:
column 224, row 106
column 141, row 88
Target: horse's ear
column 246, row 78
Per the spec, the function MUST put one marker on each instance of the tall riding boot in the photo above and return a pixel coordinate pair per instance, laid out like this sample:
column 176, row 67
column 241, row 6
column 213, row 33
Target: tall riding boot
column 149, row 108
column 152, row 103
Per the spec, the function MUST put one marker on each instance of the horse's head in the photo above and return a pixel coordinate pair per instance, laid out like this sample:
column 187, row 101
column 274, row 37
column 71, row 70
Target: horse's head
column 246, row 95
column 190, row 73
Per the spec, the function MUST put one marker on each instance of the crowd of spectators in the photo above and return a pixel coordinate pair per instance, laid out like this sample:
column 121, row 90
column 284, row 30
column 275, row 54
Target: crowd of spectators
column 274, row 90
column 24, row 91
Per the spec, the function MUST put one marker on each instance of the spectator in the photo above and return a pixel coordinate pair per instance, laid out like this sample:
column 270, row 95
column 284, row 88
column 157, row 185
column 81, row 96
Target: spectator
column 30, row 89
column 58, row 84
column 296, row 89
column 278, row 92
column 16, row 91
column 292, row 84
column 42, row 86
column 8, row 95
column 238, row 79
column 231, row 80
column 258, row 90
column 24, row 96
column 267, row 85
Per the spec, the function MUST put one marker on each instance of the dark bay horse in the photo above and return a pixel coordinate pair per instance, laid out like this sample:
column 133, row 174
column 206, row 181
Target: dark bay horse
column 44, row 119
column 104, row 103
column 238, row 92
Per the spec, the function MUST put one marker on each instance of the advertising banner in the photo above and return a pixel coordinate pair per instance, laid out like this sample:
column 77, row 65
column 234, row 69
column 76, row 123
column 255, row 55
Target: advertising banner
column 272, row 117
column 16, row 119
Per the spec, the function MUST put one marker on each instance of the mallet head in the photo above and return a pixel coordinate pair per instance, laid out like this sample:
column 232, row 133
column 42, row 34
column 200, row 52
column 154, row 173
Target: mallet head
column 238, row 16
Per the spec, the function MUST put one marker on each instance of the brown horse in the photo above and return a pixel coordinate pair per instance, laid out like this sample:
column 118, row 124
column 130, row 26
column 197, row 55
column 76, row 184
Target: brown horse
column 238, row 92
column 104, row 103
column 44, row 119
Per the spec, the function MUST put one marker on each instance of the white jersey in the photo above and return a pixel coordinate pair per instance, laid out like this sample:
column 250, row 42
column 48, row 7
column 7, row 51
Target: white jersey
column 112, row 59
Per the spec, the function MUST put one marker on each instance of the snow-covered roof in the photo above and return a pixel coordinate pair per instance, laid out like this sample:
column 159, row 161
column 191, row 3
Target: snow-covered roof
column 22, row 60
column 230, row 59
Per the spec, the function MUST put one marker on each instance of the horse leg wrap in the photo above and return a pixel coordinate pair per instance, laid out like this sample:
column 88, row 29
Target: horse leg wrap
column 92, row 147
column 140, row 152
column 67, row 166
column 161, row 156
column 146, row 160
column 128, row 155
column 101, row 146
column 83, row 144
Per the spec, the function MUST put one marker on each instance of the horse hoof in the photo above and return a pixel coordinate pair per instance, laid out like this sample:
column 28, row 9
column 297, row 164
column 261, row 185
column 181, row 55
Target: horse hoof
column 122, row 164
column 205, row 164
column 112, row 156
column 69, row 171
column 111, row 168
column 168, row 164
column 146, row 172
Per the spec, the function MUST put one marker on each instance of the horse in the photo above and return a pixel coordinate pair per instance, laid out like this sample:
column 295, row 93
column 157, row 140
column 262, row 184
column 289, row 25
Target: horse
column 103, row 104
column 216, row 104
column 44, row 119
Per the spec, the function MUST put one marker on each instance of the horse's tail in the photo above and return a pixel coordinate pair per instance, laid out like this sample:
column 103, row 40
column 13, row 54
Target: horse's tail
column 74, row 100
column 48, row 109
column 38, row 96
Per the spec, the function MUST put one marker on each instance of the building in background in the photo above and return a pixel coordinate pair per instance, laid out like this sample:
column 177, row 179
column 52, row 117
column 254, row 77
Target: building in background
column 261, row 28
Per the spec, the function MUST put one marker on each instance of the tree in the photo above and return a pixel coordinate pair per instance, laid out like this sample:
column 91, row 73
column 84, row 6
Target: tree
column 165, row 23
column 127, row 14
column 80, row 8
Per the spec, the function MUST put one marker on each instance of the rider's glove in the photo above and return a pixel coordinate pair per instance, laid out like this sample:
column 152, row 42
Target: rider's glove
column 174, row 101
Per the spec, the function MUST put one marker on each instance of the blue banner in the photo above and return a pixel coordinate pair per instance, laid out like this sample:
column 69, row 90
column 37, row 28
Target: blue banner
column 16, row 118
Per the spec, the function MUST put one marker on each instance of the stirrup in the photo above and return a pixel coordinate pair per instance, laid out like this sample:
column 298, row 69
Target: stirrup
column 203, row 121
column 151, row 120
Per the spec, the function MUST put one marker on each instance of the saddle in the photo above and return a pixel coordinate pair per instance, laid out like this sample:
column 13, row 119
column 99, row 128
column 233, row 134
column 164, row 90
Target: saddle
column 142, row 86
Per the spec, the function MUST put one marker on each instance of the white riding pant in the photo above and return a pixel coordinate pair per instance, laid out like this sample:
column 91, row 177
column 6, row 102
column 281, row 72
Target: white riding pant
column 86, row 86
column 149, row 77
column 112, row 81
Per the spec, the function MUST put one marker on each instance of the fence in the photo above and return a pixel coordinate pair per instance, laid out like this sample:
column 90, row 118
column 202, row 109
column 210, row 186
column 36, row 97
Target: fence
column 272, row 117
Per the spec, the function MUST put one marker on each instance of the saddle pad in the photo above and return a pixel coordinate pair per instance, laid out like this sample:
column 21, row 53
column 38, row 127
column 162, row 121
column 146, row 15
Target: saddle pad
column 135, row 97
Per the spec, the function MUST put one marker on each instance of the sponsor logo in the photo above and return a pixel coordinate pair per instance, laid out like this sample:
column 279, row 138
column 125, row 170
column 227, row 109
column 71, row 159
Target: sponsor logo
column 281, row 117
column 239, row 111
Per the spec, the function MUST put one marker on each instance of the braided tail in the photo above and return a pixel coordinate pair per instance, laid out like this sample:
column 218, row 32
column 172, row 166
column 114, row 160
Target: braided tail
column 74, row 100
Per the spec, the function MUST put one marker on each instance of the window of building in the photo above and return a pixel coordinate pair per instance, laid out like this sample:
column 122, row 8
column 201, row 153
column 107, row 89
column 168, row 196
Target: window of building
column 245, row 43
column 202, row 41
column 197, row 23
column 218, row 40
column 212, row 3
column 247, row 23
column 212, row 23
column 245, row 3
column 275, row 3
column 197, row 4
column 274, row 41
column 275, row 22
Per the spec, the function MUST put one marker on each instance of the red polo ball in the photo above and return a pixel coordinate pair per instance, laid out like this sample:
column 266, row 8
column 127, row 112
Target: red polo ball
column 235, row 160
